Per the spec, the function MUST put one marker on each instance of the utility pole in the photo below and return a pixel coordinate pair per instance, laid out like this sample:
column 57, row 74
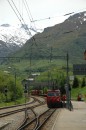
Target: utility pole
column 30, row 61
column 15, row 88
column 51, row 53
column 67, row 80
column 68, row 89
column 67, row 68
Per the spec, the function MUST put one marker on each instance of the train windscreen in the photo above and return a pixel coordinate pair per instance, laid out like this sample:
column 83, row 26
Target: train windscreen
column 53, row 94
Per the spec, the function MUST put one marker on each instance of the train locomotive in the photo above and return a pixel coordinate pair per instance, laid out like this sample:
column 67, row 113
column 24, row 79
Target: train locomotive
column 55, row 99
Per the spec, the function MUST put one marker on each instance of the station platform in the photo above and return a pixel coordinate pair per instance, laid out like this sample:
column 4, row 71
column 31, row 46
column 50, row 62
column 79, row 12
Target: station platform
column 72, row 120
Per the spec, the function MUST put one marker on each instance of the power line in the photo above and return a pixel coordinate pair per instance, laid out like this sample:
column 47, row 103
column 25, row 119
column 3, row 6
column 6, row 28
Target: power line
column 51, row 17
column 68, row 14
column 26, row 9
column 29, row 15
column 14, row 11
column 18, row 15
column 48, row 18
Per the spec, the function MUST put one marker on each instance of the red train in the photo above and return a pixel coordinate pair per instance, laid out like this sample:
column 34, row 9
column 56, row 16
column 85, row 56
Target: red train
column 55, row 99
column 36, row 92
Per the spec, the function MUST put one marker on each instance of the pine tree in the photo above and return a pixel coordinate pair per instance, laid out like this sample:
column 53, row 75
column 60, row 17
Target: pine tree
column 75, row 82
column 83, row 82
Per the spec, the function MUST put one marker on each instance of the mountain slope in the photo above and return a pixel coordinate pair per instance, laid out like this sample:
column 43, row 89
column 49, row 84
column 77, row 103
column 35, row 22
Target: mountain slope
column 12, row 38
column 69, row 36
column 5, row 49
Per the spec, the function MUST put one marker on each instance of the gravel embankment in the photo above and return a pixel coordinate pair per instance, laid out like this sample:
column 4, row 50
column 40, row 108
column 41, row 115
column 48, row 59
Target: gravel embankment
column 13, row 121
column 41, row 109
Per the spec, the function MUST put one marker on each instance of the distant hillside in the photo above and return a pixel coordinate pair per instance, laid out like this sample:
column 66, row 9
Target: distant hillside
column 6, row 49
column 69, row 36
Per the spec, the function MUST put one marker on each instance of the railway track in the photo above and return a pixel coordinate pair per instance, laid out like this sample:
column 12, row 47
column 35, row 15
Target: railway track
column 18, row 110
column 37, row 122
column 16, row 106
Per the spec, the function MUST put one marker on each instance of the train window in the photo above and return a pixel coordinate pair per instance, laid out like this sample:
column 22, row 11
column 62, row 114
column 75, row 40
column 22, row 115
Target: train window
column 52, row 94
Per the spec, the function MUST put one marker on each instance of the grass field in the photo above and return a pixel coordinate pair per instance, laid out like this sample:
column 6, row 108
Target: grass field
column 19, row 101
column 75, row 92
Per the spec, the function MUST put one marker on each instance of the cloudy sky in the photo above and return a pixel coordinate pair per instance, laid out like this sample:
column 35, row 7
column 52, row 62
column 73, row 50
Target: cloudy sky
column 38, row 10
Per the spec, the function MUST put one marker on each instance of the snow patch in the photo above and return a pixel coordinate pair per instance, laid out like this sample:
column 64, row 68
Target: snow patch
column 84, row 14
column 81, row 22
column 84, row 19
column 14, row 34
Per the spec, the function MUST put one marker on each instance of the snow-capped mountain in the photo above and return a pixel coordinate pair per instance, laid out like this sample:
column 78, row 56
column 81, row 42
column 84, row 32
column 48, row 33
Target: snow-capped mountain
column 14, row 34
column 13, row 37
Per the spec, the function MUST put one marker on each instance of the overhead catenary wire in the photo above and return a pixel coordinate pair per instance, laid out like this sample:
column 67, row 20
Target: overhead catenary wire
column 18, row 15
column 24, row 2
column 14, row 11
column 29, row 15
column 52, row 17
column 21, row 17
column 48, row 18
column 31, row 18
column 18, row 11
column 28, row 10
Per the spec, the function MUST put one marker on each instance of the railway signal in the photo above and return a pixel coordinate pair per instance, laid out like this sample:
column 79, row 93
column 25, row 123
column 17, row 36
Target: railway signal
column 25, row 89
column 5, row 92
